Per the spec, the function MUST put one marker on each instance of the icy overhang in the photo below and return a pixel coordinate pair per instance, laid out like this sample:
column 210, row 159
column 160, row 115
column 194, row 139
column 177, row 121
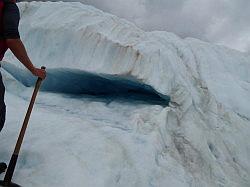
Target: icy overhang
column 78, row 82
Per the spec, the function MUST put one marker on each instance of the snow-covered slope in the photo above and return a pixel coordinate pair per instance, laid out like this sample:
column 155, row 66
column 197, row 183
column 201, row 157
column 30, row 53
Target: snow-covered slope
column 201, row 139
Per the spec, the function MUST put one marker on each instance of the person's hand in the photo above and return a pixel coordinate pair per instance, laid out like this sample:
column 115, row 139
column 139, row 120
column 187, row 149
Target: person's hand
column 41, row 73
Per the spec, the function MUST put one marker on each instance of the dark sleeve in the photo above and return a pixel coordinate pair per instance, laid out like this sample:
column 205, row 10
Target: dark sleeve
column 11, row 21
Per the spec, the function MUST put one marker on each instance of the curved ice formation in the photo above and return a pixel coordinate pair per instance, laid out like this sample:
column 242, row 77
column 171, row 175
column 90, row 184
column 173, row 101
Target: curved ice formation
column 73, row 81
column 76, row 36
column 202, row 139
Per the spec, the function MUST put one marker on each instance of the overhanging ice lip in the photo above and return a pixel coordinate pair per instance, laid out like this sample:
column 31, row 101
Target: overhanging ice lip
column 73, row 81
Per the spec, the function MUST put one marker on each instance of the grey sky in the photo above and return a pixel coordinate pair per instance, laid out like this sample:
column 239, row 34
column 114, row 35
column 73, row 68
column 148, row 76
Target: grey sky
column 219, row 21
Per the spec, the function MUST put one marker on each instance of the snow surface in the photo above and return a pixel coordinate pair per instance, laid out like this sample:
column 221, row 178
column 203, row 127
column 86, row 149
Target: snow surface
column 200, row 139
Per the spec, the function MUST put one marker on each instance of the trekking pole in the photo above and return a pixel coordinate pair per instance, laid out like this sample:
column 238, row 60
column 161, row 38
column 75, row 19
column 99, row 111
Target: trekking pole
column 11, row 168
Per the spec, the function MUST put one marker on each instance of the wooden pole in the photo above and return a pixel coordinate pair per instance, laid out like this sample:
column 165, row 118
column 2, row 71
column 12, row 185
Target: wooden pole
column 13, row 161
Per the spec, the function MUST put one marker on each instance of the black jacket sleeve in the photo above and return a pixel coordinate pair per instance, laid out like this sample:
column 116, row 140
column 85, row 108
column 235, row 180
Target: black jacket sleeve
column 11, row 21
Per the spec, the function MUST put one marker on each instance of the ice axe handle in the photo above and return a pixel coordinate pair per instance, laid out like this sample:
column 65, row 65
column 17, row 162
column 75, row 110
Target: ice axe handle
column 13, row 161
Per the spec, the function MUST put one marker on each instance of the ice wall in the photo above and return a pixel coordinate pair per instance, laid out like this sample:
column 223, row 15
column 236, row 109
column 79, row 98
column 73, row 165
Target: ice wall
column 61, row 35
column 205, row 131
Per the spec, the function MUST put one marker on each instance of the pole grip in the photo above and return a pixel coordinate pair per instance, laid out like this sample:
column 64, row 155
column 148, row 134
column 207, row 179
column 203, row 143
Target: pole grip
column 39, row 79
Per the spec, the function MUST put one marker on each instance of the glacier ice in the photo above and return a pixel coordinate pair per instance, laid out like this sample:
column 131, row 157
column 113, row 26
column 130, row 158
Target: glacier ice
column 200, row 139
column 78, row 82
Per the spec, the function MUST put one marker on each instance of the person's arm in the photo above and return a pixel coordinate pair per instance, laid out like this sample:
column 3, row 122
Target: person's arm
column 18, row 49
column 13, row 41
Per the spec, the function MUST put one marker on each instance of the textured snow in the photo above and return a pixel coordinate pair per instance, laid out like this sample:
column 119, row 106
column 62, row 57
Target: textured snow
column 200, row 139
